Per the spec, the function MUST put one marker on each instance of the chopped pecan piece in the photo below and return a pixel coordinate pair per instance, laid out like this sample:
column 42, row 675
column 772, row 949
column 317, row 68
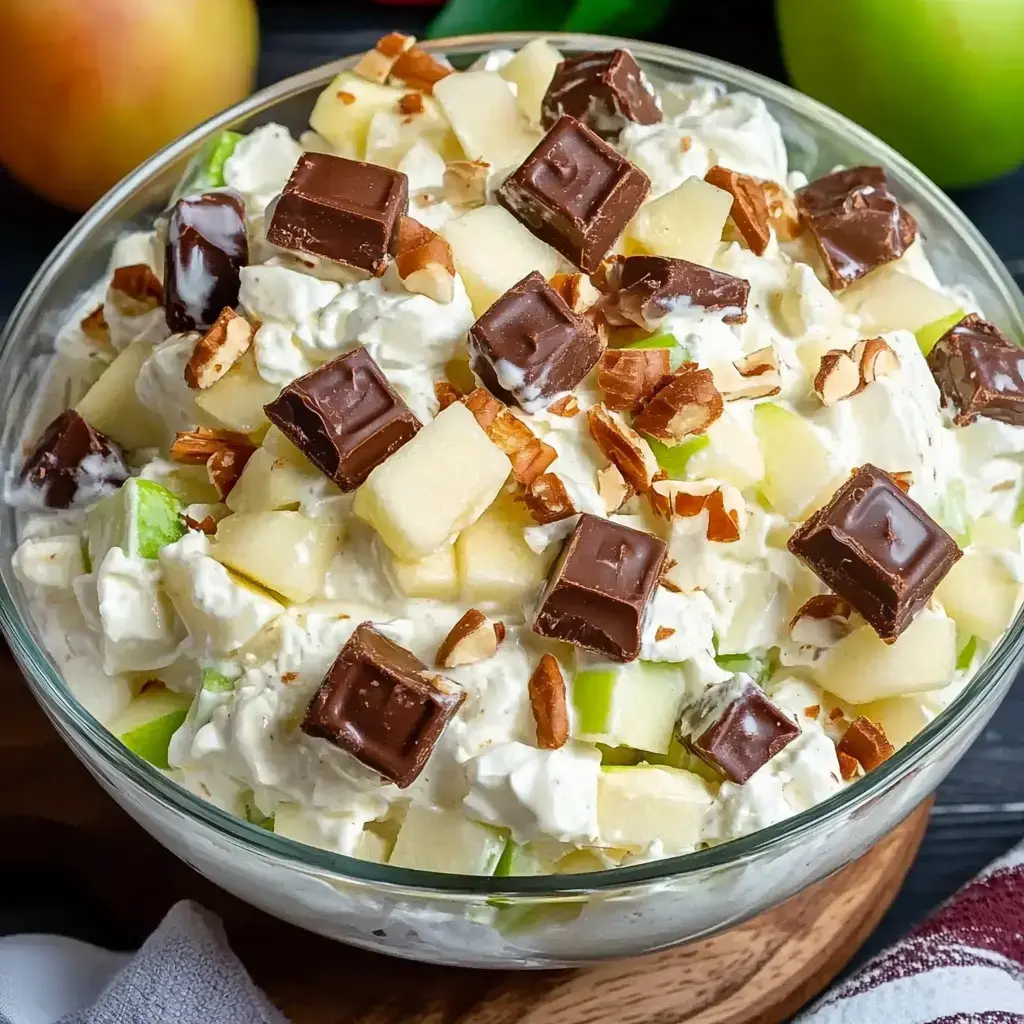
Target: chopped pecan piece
column 547, row 699
column 445, row 393
column 484, row 406
column 411, row 103
column 135, row 290
column 612, row 488
column 566, row 406
column 821, row 621
column 547, row 499
column 375, row 65
column 419, row 69
column 623, row 447
column 866, row 743
column 227, row 340
column 424, row 262
column 628, row 377
column 782, row 211
column 194, row 447
column 687, row 403
column 749, row 206
column 225, row 466
column 577, row 291
column 473, row 638
column 95, row 328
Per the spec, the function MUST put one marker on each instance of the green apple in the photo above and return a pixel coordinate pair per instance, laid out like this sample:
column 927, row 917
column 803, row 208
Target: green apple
column 759, row 665
column 206, row 169
column 633, row 705
column 217, row 682
column 146, row 726
column 255, row 816
column 980, row 594
column 673, row 458
column 966, row 654
column 940, row 80
column 677, row 353
column 929, row 334
column 441, row 840
column 140, row 518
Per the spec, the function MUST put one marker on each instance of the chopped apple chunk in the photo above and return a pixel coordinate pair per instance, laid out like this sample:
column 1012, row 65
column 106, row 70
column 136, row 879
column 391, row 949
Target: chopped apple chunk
column 887, row 300
column 980, row 594
column 440, row 840
column 686, row 223
column 344, row 110
column 236, row 401
column 531, row 71
column 435, row 576
column 146, row 726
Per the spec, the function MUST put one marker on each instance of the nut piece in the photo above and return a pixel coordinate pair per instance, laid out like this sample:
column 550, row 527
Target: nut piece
column 875, row 359
column 838, row 377
column 866, row 743
column 376, row 64
column 566, row 406
column 849, row 767
column 623, row 447
column 821, row 622
column 207, row 524
column 227, row 340
column 424, row 263
column 547, row 500
column 445, row 394
column 465, row 183
column 547, row 699
column 419, row 70
column 612, row 488
column 411, row 103
column 904, row 479
column 529, row 455
column 484, row 406
column 723, row 504
column 688, row 403
column 135, row 290
column 194, row 447
column 782, row 212
column 225, row 466
column 94, row 327
column 576, row 290
column 470, row 640
column 629, row 377
column 749, row 206
column 758, row 376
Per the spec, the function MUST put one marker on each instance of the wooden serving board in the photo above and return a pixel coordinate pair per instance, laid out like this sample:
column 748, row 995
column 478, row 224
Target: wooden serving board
column 55, row 818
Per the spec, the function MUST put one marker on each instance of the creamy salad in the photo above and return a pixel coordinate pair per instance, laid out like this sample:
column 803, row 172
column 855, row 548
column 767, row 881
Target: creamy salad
column 522, row 471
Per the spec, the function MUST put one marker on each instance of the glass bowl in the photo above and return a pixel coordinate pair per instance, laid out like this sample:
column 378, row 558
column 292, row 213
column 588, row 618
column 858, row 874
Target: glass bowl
column 552, row 921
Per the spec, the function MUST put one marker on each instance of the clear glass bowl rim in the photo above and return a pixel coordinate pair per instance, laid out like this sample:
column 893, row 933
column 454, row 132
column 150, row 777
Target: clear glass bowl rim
column 57, row 698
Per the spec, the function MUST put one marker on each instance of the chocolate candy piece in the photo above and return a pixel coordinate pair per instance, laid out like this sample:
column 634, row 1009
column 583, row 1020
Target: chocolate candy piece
column 856, row 222
column 529, row 345
column 642, row 289
column 980, row 372
column 383, row 705
column 605, row 90
column 575, row 192
column 206, row 249
column 71, row 455
column 735, row 728
column 877, row 549
column 344, row 417
column 343, row 210
column 599, row 589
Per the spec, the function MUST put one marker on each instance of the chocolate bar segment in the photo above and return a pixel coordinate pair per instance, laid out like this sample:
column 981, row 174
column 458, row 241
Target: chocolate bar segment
column 207, row 246
column 856, row 222
column 344, row 417
column 642, row 289
column 599, row 588
column 71, row 455
column 343, row 210
column 575, row 192
column 383, row 705
column 980, row 372
column 606, row 90
column 877, row 549
column 735, row 728
column 529, row 345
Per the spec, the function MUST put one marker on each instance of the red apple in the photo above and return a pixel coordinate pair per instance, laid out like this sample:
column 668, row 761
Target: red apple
column 90, row 88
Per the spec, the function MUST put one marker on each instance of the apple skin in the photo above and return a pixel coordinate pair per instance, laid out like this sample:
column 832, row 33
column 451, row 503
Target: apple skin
column 942, row 81
column 91, row 88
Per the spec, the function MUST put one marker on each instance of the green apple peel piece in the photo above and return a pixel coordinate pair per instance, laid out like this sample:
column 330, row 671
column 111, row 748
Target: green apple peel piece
column 206, row 169
column 759, row 665
column 146, row 726
column 928, row 335
column 966, row 654
column 673, row 458
column 217, row 682
column 677, row 354
column 140, row 518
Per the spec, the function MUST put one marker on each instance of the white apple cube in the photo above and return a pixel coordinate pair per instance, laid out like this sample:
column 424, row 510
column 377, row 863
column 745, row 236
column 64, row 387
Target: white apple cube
column 643, row 804
column 49, row 561
column 486, row 118
column 862, row 667
column 799, row 469
column 887, row 300
column 686, row 223
column 732, row 454
column 391, row 134
column 531, row 71
column 344, row 110
column 980, row 594
column 221, row 611
column 990, row 532
column 270, row 482
column 901, row 718
column 286, row 552
column 493, row 251
column 634, row 705
column 112, row 407
column 436, row 576
column 494, row 561
column 148, row 723
column 434, row 486
column 440, row 840
column 236, row 401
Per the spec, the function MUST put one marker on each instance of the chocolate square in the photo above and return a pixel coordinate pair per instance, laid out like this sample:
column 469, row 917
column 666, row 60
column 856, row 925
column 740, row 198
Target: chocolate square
column 70, row 455
column 343, row 210
column 606, row 90
column 856, row 223
column 980, row 372
column 383, row 705
column 599, row 588
column 207, row 246
column 642, row 289
column 877, row 549
column 530, row 345
column 575, row 192
column 735, row 728
column 344, row 417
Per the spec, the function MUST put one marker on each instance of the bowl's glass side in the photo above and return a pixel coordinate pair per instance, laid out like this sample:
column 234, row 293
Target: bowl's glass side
column 623, row 911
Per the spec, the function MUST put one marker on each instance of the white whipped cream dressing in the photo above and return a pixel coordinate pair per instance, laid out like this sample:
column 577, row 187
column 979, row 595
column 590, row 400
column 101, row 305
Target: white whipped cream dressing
column 242, row 748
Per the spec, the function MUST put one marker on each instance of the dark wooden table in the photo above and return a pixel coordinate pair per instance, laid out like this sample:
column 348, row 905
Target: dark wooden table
column 980, row 808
